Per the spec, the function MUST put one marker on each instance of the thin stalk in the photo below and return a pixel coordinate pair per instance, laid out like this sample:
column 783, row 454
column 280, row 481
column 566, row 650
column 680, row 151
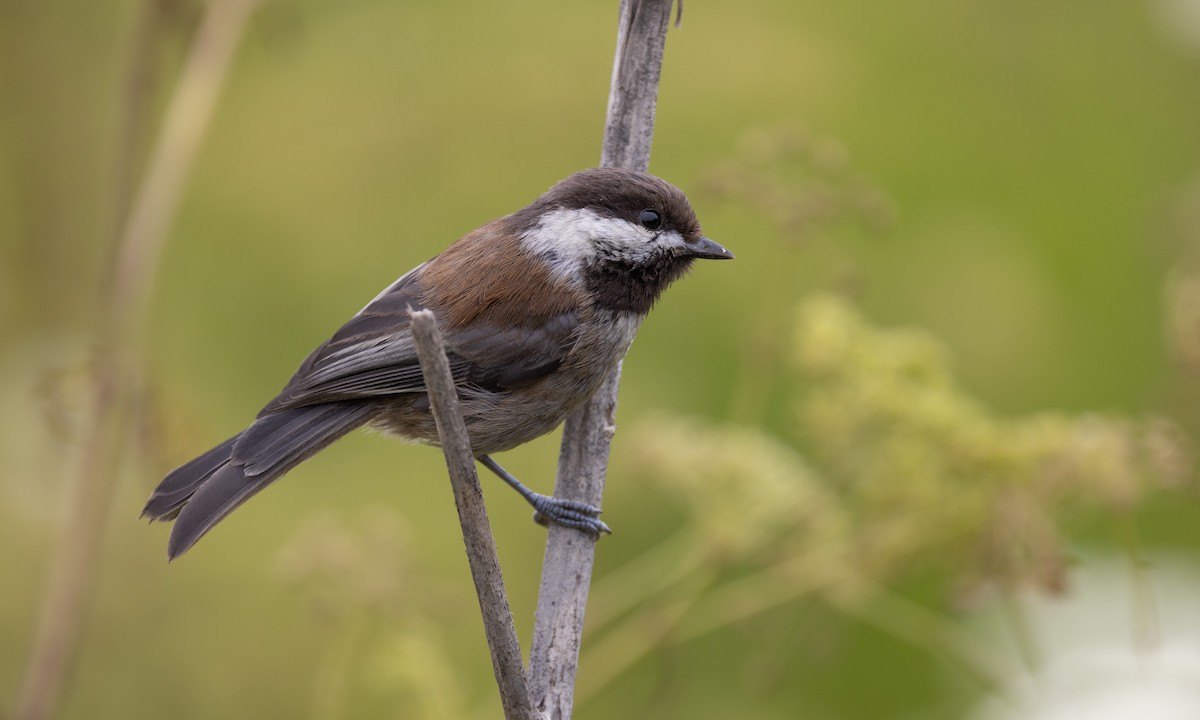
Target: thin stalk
column 649, row 574
column 1017, row 621
column 472, row 515
column 587, row 434
column 617, row 650
column 331, row 685
column 1147, row 625
column 119, row 348
column 924, row 629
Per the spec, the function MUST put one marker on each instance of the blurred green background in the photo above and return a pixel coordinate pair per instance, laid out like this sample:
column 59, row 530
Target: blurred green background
column 1019, row 179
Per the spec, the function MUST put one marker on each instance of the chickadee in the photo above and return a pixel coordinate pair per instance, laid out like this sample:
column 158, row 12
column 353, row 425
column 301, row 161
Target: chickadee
column 536, row 309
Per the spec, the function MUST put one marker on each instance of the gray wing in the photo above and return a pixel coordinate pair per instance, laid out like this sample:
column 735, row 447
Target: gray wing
column 373, row 354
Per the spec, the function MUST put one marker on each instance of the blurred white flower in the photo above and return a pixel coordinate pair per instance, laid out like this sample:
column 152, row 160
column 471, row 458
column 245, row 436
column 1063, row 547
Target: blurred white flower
column 1179, row 20
column 1121, row 645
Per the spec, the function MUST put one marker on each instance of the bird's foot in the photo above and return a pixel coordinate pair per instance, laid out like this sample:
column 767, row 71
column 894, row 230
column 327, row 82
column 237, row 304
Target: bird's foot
column 569, row 513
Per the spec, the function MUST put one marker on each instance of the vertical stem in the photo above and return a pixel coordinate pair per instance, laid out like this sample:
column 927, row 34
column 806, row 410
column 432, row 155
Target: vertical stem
column 633, row 94
column 1017, row 620
column 187, row 116
column 587, row 435
column 118, row 344
column 1147, row 625
column 74, row 566
column 329, row 688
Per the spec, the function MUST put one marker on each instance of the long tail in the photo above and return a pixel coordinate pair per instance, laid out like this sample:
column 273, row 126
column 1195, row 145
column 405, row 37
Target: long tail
column 200, row 493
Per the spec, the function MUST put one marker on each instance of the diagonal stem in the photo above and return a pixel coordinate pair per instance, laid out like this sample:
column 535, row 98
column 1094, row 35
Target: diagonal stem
column 472, row 514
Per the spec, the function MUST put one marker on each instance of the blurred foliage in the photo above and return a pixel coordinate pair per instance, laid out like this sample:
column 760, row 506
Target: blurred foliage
column 912, row 473
column 386, row 640
column 928, row 472
column 806, row 503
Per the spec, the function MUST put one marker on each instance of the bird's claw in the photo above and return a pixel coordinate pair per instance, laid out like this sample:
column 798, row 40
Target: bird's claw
column 569, row 513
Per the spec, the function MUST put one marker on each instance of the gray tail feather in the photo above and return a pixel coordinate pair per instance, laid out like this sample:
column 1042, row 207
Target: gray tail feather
column 200, row 493
column 177, row 488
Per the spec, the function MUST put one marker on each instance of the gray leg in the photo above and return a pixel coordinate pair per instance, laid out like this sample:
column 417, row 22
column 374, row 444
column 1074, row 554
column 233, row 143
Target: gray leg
column 570, row 513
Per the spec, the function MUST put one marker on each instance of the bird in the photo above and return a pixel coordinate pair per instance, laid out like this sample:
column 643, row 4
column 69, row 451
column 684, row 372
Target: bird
column 536, row 309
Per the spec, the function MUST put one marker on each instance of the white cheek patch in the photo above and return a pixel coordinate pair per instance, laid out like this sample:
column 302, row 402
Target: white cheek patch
column 670, row 241
column 566, row 238
column 654, row 244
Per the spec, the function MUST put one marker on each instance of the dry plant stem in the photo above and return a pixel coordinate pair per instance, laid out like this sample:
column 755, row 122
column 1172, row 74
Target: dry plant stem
column 633, row 93
column 748, row 596
column 666, row 621
column 118, row 344
column 1147, row 625
column 136, row 120
column 745, row 597
column 477, row 531
column 742, row 599
column 73, row 572
column 650, row 628
column 587, row 435
column 925, row 629
column 1017, row 620
column 656, row 570
column 187, row 117
column 335, row 671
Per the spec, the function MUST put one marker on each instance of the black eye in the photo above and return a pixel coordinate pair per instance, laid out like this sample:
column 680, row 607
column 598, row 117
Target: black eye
column 650, row 219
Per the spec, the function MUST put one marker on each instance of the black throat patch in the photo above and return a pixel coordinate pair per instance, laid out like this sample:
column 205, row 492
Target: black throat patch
column 620, row 287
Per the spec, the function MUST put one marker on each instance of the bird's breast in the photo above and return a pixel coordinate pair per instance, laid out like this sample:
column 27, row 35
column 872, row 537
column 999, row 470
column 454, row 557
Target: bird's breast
column 501, row 421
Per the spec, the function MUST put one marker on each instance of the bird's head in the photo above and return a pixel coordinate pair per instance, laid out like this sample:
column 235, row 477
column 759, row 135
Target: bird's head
column 623, row 235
